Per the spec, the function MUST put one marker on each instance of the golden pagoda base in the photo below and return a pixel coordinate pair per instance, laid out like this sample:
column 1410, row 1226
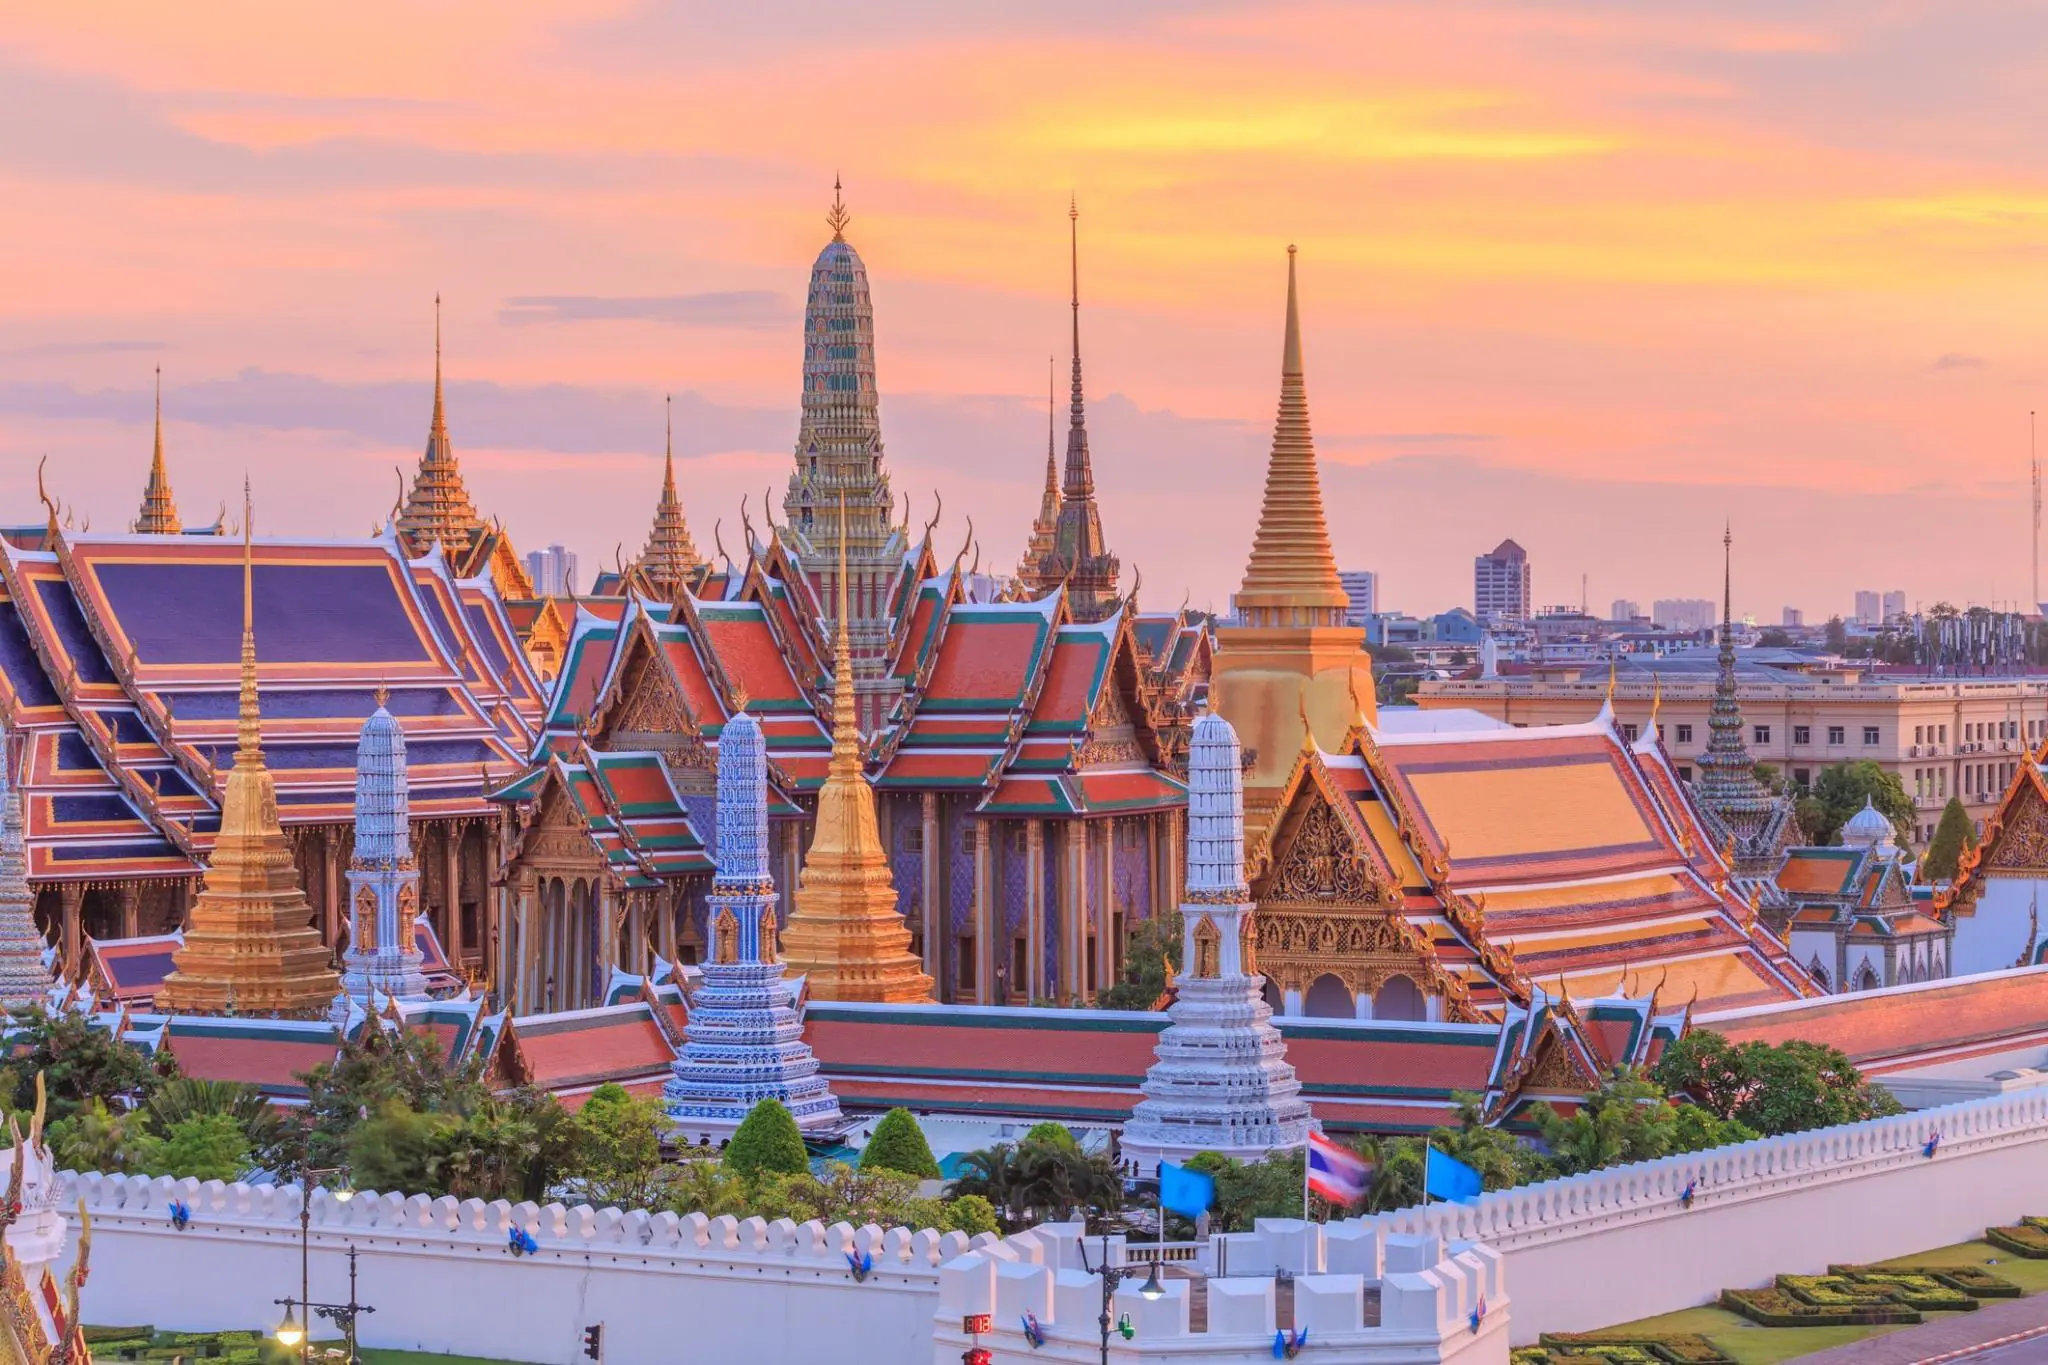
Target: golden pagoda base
column 1265, row 678
column 849, row 942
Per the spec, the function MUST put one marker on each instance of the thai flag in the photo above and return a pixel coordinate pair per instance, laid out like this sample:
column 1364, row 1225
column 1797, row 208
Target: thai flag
column 1335, row 1172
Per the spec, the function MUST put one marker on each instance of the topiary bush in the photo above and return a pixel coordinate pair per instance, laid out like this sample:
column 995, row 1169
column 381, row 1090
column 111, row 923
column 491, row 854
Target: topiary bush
column 1777, row 1308
column 971, row 1214
column 1624, row 1348
column 767, row 1140
column 2022, row 1239
column 899, row 1145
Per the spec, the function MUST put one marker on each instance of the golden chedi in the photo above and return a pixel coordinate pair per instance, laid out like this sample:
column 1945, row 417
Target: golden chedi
column 250, row 947
column 1288, row 656
column 846, row 935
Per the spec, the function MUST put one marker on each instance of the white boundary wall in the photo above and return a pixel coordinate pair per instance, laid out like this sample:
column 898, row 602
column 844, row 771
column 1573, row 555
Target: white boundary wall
column 441, row 1276
column 1616, row 1245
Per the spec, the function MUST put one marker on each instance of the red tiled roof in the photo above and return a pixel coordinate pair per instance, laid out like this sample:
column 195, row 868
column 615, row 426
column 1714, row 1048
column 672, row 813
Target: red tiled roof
column 1910, row 1026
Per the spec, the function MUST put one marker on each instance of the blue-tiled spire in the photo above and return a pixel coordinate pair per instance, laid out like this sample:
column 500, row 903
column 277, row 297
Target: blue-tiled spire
column 383, row 957
column 744, row 1042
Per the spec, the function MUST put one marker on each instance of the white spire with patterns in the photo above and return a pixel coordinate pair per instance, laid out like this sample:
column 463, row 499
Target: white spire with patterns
column 744, row 1042
column 24, row 980
column 1220, row 1081
column 383, row 879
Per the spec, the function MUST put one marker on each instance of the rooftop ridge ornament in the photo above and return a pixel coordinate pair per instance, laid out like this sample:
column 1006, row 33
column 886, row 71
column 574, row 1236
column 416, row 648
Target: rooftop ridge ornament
column 837, row 217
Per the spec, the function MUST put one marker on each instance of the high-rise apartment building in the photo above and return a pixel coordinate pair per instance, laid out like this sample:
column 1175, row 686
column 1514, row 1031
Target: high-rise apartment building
column 1794, row 617
column 1362, row 586
column 1894, row 604
column 1500, row 584
column 1684, row 613
column 1869, row 609
column 1625, row 610
column 553, row 571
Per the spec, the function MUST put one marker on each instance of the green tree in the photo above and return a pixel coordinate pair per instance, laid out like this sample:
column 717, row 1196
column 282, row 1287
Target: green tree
column 702, row 1185
column 99, row 1139
column 971, row 1214
column 1773, row 638
column 79, row 1064
column 1149, row 964
column 617, row 1146
column 1840, row 791
column 272, row 1136
column 1770, row 1089
column 1627, row 1119
column 899, row 1144
column 202, row 1147
column 398, row 1149
column 1247, row 1191
column 767, row 1140
column 1696, row 1130
column 1951, row 837
column 1837, row 636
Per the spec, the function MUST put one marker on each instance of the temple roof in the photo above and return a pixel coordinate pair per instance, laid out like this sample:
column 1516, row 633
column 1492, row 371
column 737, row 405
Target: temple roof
column 119, row 659
column 1543, row 855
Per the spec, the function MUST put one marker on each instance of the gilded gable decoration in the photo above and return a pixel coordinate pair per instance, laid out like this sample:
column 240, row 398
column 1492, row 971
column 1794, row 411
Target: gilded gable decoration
column 2023, row 844
column 1321, row 863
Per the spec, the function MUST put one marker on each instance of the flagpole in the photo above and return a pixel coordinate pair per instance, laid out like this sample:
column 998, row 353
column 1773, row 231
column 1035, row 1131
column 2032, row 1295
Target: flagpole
column 1305, row 1159
column 1427, row 1148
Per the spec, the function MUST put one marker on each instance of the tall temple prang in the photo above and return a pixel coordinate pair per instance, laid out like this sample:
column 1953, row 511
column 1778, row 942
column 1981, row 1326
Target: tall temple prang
column 250, row 945
column 24, row 980
column 1079, row 556
column 1288, row 656
column 1220, row 1081
column 744, row 1040
column 839, row 481
column 383, row 956
column 159, row 515
column 1749, row 821
column 847, row 937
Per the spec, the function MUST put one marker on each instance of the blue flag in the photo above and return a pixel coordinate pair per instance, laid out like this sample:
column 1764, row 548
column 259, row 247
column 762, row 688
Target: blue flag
column 1446, row 1177
column 1185, row 1191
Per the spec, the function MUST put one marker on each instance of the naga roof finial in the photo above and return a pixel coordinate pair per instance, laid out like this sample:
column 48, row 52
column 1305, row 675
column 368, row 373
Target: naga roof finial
column 49, row 505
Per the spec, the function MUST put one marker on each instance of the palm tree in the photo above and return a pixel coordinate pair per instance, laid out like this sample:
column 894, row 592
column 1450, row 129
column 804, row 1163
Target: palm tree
column 187, row 1097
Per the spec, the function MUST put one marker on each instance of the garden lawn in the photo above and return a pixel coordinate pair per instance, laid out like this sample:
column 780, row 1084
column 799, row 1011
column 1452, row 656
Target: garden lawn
column 1750, row 1344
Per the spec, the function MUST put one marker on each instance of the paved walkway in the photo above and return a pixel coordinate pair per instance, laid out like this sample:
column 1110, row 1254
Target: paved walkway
column 2007, row 1331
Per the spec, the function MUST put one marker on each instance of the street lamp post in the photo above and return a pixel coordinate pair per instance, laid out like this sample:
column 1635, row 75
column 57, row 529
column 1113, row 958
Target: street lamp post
column 1112, row 1276
column 343, row 1315
column 309, row 1181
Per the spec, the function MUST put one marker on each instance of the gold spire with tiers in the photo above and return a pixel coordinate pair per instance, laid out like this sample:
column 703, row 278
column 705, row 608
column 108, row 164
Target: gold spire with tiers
column 250, row 947
column 438, row 508
column 1045, row 530
column 1288, row 669
column 846, row 936
column 671, row 557
column 159, row 515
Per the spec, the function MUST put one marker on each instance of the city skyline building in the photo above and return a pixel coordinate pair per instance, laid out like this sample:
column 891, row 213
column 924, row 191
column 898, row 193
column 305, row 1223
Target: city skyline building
column 1624, row 610
column 1688, row 615
column 1500, row 585
column 553, row 571
column 1793, row 618
column 1362, row 586
column 1869, row 608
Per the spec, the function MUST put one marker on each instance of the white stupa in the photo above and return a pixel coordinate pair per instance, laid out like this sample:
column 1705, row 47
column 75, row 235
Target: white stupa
column 1220, row 1081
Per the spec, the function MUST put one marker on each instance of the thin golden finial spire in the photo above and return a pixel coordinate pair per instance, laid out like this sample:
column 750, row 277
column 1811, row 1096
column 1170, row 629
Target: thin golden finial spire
column 845, row 727
column 250, row 727
column 159, row 515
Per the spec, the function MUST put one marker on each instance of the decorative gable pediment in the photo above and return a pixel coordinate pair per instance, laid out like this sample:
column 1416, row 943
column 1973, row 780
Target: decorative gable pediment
column 2022, row 844
column 1320, row 862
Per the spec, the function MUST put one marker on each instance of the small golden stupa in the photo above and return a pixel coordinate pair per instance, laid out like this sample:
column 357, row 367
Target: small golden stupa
column 250, row 947
column 846, row 935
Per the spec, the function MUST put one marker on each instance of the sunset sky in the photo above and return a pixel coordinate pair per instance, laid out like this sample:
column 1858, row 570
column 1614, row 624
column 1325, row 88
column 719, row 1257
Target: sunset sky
column 1592, row 274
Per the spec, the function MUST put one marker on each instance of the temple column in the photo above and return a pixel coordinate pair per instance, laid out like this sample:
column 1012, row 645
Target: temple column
column 70, row 896
column 131, row 909
column 330, row 890
column 521, row 947
column 610, row 949
column 1107, row 951
column 929, row 843
column 668, row 909
column 1034, row 910
column 451, row 881
column 985, row 917
column 1074, row 911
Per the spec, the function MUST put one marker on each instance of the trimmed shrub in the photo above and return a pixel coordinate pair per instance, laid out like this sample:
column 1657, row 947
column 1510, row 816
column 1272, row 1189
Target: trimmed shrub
column 899, row 1145
column 138, row 1335
column 767, row 1140
column 2022, row 1239
column 1834, row 1290
column 1777, row 1308
column 1053, row 1135
column 1673, row 1348
column 971, row 1214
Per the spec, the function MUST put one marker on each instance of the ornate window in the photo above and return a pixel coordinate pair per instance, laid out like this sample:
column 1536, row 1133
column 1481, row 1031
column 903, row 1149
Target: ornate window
column 1208, row 945
column 725, row 937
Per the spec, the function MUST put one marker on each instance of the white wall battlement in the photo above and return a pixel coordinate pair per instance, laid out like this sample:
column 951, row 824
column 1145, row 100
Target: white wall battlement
column 1428, row 1296
column 442, row 1278
column 1615, row 1245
